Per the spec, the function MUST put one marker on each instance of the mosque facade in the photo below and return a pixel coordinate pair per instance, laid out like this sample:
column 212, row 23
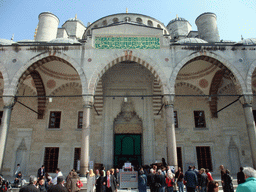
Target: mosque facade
column 127, row 88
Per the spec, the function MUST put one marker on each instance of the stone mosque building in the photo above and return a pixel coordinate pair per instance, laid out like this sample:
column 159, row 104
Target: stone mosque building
column 127, row 88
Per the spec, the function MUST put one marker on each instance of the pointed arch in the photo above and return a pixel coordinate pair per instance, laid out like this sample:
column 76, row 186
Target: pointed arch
column 250, row 76
column 129, row 56
column 41, row 59
column 41, row 101
column 212, row 58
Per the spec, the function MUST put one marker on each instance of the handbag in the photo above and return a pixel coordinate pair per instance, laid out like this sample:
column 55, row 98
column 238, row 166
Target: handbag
column 79, row 184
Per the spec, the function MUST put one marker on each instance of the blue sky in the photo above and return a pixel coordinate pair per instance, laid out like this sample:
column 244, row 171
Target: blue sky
column 234, row 17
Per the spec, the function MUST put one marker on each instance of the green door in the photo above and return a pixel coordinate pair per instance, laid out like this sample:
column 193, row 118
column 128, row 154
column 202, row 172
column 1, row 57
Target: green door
column 127, row 148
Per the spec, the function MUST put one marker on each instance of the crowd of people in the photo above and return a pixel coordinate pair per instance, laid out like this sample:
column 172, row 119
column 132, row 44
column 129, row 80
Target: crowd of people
column 157, row 179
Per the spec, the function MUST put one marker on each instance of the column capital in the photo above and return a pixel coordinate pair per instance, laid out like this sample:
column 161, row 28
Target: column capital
column 88, row 99
column 247, row 105
column 169, row 99
column 88, row 105
column 246, row 98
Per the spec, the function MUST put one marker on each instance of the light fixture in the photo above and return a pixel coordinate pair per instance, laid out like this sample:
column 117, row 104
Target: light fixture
column 50, row 99
column 125, row 99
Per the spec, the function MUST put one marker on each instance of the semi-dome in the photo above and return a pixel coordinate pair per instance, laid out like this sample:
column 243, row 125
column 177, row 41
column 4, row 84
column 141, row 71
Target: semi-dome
column 177, row 19
column 249, row 41
column 6, row 42
column 64, row 40
column 191, row 40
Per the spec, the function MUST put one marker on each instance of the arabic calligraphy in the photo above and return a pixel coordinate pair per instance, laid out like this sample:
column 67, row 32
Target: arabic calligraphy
column 127, row 43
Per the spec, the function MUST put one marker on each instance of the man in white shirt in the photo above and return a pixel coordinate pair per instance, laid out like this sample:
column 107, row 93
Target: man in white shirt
column 59, row 173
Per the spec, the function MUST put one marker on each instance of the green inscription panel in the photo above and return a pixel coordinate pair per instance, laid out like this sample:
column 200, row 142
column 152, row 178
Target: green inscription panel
column 127, row 43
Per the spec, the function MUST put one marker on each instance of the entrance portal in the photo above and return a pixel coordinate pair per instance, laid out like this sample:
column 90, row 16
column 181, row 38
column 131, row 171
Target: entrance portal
column 127, row 136
column 127, row 148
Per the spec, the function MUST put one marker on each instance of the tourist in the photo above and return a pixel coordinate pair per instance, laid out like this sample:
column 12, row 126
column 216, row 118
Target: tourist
column 180, row 178
column 142, row 182
column 151, row 180
column 48, row 181
column 59, row 187
column 250, row 181
column 59, row 174
column 17, row 170
column 18, row 180
column 222, row 172
column 191, row 180
column 71, row 183
column 117, row 175
column 90, row 181
column 31, row 187
column 160, row 181
column 104, row 172
column 42, row 184
column 97, row 174
column 41, row 172
column 209, row 175
column 196, row 170
column 213, row 186
column 110, row 182
column 70, row 175
column 228, row 185
column 170, row 181
column 99, row 183
column 202, row 183
column 240, row 176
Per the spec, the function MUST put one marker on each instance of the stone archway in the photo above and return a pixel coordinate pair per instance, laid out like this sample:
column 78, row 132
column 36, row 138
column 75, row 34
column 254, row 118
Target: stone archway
column 212, row 58
column 129, row 56
column 41, row 59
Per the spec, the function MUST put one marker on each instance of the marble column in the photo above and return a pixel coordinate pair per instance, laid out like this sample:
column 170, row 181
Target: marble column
column 84, row 161
column 4, row 131
column 171, row 137
column 251, row 130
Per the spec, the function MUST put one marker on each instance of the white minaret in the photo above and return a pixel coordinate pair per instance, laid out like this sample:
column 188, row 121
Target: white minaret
column 207, row 27
column 47, row 27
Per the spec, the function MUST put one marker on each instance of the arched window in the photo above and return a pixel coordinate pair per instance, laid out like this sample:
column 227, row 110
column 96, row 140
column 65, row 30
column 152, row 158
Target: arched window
column 159, row 26
column 127, row 19
column 150, row 23
column 138, row 20
column 104, row 23
column 115, row 20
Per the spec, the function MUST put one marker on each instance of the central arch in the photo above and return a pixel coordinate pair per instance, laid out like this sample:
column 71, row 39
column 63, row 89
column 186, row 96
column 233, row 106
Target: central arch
column 129, row 56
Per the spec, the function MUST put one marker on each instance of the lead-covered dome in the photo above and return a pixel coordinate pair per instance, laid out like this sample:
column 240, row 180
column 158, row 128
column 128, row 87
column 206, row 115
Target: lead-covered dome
column 177, row 19
column 6, row 42
column 249, row 41
column 64, row 40
column 133, row 18
column 191, row 40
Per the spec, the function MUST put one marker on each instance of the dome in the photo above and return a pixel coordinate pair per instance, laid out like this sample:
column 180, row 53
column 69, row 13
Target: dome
column 191, row 40
column 249, row 41
column 6, row 42
column 177, row 19
column 25, row 41
column 64, row 40
column 75, row 19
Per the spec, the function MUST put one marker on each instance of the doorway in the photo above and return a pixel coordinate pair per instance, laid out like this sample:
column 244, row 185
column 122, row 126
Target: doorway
column 127, row 147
